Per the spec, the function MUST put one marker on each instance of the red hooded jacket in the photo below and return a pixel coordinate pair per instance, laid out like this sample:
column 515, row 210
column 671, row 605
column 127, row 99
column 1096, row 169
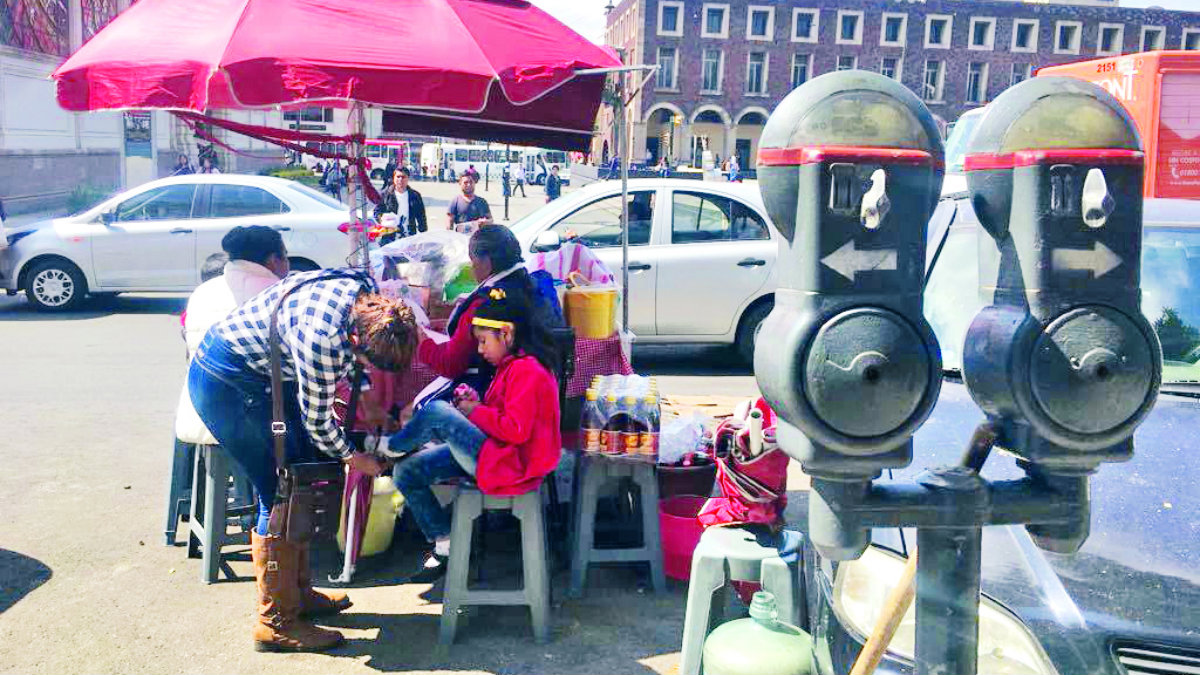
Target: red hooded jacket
column 520, row 416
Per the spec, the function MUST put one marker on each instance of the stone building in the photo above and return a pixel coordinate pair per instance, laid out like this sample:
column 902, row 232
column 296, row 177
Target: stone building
column 725, row 64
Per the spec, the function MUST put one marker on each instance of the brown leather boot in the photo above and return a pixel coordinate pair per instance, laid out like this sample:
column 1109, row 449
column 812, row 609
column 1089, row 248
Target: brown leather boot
column 279, row 627
column 312, row 601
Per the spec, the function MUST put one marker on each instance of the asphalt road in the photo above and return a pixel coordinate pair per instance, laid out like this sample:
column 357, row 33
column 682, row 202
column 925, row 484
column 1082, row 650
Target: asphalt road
column 87, row 585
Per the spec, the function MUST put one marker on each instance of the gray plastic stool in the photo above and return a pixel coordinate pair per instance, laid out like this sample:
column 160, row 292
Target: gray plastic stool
column 179, row 490
column 535, row 592
column 734, row 554
column 594, row 472
column 210, row 511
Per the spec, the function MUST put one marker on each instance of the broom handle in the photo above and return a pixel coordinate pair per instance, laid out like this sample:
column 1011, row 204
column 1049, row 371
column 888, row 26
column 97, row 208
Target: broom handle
column 894, row 609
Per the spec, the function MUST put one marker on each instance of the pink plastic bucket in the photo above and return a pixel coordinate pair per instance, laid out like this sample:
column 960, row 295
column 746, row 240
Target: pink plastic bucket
column 680, row 532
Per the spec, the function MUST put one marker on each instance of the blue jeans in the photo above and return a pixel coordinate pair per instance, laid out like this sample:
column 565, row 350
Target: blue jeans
column 456, row 457
column 235, row 405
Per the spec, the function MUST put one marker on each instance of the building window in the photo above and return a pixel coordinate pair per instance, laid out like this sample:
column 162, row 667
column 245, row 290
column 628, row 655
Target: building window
column 938, row 28
column 322, row 115
column 1191, row 39
column 714, row 67
column 667, row 66
column 935, row 78
column 977, row 82
column 1025, row 35
column 760, row 23
column 983, row 34
column 847, row 62
column 1067, row 36
column 801, row 69
column 756, row 74
column 890, row 67
column 1154, row 38
column 1021, row 72
column 850, row 27
column 670, row 18
column 1112, row 39
column 805, row 24
column 894, row 31
column 716, row 21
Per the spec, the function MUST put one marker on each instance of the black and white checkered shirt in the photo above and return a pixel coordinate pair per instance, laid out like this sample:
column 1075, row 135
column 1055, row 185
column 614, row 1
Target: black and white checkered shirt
column 314, row 329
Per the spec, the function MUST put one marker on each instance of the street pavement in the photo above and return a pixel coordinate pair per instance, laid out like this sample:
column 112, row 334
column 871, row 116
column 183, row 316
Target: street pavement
column 87, row 584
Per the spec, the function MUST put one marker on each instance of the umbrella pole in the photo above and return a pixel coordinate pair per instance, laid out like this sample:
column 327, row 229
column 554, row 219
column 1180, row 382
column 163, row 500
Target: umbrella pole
column 623, row 151
column 357, row 192
column 351, row 541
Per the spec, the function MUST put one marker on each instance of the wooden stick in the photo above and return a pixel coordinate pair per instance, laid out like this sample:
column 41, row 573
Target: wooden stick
column 898, row 602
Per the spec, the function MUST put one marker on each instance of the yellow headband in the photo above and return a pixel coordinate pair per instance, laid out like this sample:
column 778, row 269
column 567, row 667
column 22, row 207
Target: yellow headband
column 491, row 323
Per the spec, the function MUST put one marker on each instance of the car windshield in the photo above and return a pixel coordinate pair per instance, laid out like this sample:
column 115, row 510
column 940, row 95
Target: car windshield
column 1170, row 289
column 956, row 145
column 317, row 196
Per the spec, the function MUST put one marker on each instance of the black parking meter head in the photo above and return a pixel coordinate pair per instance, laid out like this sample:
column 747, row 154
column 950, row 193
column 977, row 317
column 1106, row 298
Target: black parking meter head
column 1062, row 358
column 850, row 167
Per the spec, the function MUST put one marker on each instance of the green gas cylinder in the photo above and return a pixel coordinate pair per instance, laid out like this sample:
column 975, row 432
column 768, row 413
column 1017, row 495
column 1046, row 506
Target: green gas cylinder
column 760, row 645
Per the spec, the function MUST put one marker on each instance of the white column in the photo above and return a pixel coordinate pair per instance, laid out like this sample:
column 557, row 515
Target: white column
column 75, row 24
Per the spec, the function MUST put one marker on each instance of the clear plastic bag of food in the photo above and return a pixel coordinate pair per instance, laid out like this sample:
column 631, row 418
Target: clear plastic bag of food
column 429, row 259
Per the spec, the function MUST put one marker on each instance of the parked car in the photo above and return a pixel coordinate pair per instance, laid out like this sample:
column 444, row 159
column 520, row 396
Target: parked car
column 1129, row 601
column 155, row 237
column 691, row 244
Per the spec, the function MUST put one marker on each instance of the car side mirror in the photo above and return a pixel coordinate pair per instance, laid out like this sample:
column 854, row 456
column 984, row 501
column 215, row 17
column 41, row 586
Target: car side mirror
column 547, row 241
column 108, row 217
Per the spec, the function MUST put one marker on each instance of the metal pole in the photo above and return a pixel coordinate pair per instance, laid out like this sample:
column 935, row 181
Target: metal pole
column 487, row 166
column 357, row 194
column 508, row 188
column 948, row 571
column 623, row 149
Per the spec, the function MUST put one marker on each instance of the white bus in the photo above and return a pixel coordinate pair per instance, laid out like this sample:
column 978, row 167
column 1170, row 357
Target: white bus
column 490, row 160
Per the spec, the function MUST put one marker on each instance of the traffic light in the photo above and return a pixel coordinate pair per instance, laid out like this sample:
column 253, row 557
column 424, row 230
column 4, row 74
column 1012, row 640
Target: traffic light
column 850, row 169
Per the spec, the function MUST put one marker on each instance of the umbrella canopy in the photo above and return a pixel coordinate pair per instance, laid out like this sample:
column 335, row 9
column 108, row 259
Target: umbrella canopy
column 502, row 61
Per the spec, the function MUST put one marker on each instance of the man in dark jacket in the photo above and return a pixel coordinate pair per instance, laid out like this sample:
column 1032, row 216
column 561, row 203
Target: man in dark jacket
column 406, row 203
column 553, row 184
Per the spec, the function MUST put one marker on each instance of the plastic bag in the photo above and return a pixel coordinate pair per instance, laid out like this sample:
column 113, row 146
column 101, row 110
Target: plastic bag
column 571, row 258
column 431, row 259
column 681, row 437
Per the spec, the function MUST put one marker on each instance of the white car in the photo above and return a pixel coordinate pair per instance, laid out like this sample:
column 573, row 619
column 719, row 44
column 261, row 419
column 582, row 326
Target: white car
column 701, row 254
column 156, row 237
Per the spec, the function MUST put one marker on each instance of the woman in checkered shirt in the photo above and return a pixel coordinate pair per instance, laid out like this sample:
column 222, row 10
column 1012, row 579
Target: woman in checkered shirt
column 332, row 318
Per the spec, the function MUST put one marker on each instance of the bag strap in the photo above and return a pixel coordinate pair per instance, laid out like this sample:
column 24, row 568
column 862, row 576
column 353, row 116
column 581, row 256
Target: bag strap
column 278, row 423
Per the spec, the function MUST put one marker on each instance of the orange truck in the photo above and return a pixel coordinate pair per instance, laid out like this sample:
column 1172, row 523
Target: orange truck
column 1161, row 90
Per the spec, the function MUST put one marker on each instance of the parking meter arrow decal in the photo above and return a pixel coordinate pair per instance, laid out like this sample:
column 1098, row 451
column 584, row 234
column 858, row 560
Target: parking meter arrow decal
column 1100, row 260
column 849, row 261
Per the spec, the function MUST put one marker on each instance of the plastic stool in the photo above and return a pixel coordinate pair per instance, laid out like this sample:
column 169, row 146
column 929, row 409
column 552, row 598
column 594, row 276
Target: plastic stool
column 210, row 512
column 594, row 472
column 535, row 592
column 736, row 554
column 179, row 490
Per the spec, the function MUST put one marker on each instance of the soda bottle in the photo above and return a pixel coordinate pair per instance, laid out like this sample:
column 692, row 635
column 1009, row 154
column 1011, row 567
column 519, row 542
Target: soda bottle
column 592, row 422
column 610, row 440
column 649, row 439
column 632, row 426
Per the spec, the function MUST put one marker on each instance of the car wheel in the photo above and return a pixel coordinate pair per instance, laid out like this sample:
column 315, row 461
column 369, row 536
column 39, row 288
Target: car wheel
column 748, row 331
column 55, row 286
column 302, row 265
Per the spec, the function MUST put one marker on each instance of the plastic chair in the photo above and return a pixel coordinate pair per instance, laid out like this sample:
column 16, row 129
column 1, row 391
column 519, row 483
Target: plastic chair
column 535, row 592
column 594, row 472
column 736, row 554
column 211, row 512
column 179, row 489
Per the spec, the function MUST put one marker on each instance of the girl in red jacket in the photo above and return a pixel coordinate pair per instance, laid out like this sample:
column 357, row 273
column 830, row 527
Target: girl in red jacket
column 507, row 443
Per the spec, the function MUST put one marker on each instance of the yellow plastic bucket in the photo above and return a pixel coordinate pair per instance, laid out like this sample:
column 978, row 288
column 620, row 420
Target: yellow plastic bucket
column 386, row 502
column 592, row 311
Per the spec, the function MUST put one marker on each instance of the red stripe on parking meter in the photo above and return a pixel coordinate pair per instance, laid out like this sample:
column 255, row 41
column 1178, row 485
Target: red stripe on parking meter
column 813, row 154
column 986, row 161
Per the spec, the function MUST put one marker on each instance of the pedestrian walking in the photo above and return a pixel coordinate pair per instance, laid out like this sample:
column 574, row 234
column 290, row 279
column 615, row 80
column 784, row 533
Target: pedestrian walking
column 468, row 211
column 334, row 179
column 553, row 184
column 664, row 168
column 183, row 166
column 406, row 203
column 519, row 174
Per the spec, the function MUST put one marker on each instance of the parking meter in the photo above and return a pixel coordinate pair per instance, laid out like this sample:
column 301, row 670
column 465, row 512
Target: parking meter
column 1062, row 360
column 850, row 168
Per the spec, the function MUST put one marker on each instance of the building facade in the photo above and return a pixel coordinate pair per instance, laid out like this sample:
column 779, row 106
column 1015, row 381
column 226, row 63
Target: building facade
column 725, row 64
